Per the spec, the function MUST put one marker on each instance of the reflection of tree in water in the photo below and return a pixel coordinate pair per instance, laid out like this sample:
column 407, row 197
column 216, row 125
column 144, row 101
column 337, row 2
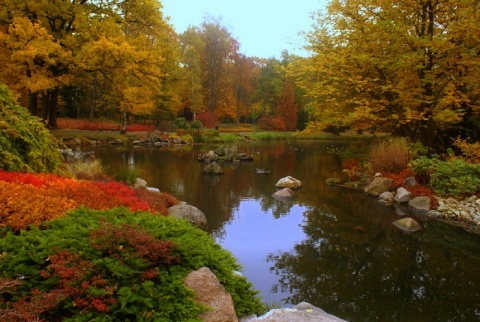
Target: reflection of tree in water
column 376, row 274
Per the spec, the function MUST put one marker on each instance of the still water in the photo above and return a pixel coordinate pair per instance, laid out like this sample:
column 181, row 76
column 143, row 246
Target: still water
column 334, row 248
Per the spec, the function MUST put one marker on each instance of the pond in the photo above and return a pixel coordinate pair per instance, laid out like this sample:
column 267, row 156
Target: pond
column 334, row 248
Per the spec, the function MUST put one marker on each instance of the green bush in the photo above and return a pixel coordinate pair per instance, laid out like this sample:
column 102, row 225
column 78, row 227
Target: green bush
column 454, row 178
column 126, row 175
column 114, row 265
column 25, row 144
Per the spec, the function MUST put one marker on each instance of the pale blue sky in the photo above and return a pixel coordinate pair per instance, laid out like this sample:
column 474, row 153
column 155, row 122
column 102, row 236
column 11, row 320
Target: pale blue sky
column 262, row 27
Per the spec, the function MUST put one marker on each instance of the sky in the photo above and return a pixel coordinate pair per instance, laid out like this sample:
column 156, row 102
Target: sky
column 264, row 28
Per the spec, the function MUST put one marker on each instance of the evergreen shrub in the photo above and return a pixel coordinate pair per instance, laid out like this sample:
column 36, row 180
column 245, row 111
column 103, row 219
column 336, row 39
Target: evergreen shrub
column 25, row 143
column 453, row 178
column 112, row 265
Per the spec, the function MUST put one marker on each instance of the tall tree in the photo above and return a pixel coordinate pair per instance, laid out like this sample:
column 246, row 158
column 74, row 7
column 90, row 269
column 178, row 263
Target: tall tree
column 411, row 66
column 287, row 108
column 219, row 46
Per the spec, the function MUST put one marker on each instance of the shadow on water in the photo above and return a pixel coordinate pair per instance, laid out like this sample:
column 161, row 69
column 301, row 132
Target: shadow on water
column 334, row 248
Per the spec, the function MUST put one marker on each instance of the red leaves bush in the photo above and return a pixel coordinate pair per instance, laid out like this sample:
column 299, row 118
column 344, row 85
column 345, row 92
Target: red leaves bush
column 271, row 124
column 27, row 198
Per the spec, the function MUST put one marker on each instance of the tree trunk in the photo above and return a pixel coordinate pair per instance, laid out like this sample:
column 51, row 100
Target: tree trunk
column 33, row 102
column 124, row 120
column 49, row 108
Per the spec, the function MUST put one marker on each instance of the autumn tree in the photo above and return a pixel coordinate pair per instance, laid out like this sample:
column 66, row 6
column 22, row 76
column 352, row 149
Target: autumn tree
column 50, row 44
column 219, row 45
column 287, row 108
column 408, row 66
column 268, row 89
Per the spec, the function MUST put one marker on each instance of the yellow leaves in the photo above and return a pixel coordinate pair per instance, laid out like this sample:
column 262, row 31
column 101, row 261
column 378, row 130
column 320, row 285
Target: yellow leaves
column 31, row 50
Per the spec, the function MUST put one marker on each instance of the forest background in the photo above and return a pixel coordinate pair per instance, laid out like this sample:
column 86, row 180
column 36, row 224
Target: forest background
column 411, row 68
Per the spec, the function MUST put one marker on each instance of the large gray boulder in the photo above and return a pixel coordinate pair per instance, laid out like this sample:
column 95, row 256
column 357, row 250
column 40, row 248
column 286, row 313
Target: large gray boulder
column 185, row 211
column 209, row 292
column 289, row 182
column 378, row 186
column 303, row 312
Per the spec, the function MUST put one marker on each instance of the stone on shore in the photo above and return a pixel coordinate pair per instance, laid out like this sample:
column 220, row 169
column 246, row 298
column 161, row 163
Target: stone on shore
column 403, row 195
column 378, row 186
column 185, row 211
column 303, row 312
column 419, row 205
column 209, row 292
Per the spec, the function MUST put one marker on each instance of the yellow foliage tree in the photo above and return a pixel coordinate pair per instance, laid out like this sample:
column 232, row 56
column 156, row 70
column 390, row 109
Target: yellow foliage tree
column 410, row 67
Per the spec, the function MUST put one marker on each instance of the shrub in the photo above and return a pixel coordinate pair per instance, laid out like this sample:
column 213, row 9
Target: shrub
column 114, row 265
column 180, row 123
column 390, row 155
column 208, row 119
column 33, row 198
column 454, row 178
column 93, row 170
column 25, row 143
column 126, row 175
column 470, row 151
column 271, row 124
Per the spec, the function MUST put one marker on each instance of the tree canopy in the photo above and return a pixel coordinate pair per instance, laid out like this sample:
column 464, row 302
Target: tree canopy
column 410, row 67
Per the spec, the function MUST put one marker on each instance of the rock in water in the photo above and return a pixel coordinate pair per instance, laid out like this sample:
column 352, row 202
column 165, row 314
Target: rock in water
column 408, row 224
column 289, row 182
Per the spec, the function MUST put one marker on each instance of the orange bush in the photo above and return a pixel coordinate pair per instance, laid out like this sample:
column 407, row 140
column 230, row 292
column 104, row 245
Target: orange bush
column 22, row 205
column 27, row 198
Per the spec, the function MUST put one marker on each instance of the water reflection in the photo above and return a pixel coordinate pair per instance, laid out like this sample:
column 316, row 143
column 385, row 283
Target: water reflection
column 334, row 248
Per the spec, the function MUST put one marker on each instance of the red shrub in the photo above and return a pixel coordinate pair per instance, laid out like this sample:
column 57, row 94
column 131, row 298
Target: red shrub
column 140, row 128
column 208, row 119
column 271, row 124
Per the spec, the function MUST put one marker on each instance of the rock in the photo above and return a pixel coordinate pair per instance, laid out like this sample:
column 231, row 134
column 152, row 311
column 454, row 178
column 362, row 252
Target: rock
column 303, row 312
column 285, row 193
column 139, row 183
column 209, row 292
column 403, row 195
column 419, row 205
column 213, row 168
column 410, row 182
column 221, row 151
column 378, row 186
column 185, row 211
column 386, row 196
column 289, row 182
column 232, row 151
column 407, row 224
column 261, row 171
column 152, row 189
